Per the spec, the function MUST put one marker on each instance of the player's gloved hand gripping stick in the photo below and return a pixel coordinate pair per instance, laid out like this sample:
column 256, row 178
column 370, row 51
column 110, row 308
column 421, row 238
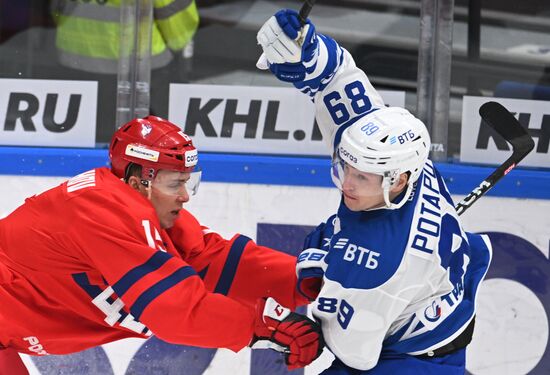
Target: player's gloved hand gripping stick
column 290, row 33
column 290, row 44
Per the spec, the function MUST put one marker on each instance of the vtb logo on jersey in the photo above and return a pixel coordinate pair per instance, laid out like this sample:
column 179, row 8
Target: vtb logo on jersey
column 357, row 254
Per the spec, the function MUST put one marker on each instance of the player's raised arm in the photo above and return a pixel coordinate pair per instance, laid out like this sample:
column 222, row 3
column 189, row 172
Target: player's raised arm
column 316, row 65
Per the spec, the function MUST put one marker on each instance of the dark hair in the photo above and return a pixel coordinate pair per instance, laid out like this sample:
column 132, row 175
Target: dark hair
column 132, row 169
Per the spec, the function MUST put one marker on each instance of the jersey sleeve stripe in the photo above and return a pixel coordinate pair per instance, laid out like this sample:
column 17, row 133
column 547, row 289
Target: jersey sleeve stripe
column 135, row 274
column 231, row 263
column 93, row 291
column 82, row 280
column 153, row 292
column 202, row 273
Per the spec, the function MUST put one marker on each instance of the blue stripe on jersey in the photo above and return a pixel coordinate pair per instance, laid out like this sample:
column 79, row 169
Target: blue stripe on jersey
column 202, row 273
column 94, row 290
column 444, row 192
column 82, row 280
column 231, row 263
column 156, row 290
column 334, row 58
column 460, row 317
column 135, row 274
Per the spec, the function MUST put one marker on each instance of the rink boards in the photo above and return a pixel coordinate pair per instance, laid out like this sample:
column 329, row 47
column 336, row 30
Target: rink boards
column 514, row 306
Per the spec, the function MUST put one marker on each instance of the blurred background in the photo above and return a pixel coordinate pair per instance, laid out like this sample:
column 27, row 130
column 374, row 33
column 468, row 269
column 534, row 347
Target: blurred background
column 483, row 48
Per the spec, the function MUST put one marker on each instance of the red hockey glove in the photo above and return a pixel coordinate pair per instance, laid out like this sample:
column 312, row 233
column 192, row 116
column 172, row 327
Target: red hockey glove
column 11, row 363
column 280, row 329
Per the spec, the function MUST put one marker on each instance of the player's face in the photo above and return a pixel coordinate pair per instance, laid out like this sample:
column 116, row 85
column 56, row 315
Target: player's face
column 168, row 194
column 361, row 190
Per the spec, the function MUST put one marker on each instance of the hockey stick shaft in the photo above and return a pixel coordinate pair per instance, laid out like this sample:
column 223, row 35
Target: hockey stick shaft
column 305, row 9
column 506, row 125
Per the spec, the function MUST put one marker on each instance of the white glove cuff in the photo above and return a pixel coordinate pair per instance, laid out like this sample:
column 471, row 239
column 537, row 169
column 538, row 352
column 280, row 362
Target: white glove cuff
column 274, row 310
column 311, row 258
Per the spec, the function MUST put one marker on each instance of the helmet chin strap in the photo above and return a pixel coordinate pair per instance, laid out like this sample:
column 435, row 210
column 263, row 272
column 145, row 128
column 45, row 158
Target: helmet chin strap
column 388, row 180
column 387, row 195
column 394, row 206
column 147, row 184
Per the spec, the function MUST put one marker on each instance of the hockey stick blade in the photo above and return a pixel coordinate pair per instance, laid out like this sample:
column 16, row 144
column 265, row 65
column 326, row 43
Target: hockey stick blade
column 506, row 125
column 304, row 10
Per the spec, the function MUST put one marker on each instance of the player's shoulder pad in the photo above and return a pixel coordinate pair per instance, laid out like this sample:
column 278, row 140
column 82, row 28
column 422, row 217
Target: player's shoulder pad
column 100, row 182
column 319, row 238
column 84, row 182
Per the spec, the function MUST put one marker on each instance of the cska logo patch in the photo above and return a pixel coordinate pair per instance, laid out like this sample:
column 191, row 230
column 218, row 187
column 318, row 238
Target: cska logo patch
column 279, row 310
column 146, row 130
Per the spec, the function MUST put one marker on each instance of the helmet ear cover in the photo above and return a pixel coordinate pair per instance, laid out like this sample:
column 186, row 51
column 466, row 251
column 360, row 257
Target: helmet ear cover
column 388, row 142
column 154, row 144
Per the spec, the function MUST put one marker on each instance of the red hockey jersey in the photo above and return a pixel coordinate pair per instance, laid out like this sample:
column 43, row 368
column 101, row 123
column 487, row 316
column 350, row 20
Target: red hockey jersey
column 86, row 263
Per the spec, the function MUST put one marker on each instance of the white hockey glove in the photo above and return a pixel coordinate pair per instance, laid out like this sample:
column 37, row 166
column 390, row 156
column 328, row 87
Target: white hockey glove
column 310, row 269
column 311, row 264
column 290, row 50
column 298, row 55
column 295, row 335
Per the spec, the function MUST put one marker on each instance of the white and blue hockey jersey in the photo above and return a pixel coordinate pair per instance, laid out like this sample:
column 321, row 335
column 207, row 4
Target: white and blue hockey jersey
column 397, row 281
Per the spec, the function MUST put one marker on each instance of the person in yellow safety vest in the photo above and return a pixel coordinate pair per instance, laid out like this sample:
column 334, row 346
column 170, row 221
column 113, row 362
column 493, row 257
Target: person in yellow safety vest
column 88, row 32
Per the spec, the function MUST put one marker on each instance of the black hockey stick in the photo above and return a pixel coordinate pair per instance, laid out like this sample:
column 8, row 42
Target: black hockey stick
column 302, row 16
column 305, row 9
column 506, row 125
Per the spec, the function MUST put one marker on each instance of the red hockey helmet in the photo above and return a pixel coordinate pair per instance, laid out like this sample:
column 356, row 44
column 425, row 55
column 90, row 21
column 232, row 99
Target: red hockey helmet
column 154, row 143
